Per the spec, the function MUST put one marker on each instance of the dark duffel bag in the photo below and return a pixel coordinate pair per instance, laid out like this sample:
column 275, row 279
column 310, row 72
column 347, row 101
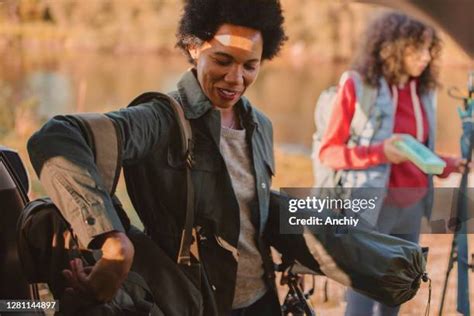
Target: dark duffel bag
column 13, row 198
column 156, row 285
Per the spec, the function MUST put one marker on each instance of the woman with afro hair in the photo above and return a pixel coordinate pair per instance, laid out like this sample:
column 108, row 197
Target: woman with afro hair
column 226, row 42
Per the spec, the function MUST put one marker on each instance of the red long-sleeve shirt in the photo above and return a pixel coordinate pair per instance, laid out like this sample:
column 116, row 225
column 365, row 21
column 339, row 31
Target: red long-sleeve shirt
column 335, row 153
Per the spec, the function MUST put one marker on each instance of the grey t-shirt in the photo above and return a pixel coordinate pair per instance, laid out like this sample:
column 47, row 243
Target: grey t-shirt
column 249, row 286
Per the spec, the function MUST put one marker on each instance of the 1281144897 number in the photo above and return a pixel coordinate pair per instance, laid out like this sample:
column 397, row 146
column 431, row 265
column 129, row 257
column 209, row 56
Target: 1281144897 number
column 27, row 305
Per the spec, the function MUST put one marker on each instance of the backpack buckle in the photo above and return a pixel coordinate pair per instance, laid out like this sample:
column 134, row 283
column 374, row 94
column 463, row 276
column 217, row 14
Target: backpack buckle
column 190, row 154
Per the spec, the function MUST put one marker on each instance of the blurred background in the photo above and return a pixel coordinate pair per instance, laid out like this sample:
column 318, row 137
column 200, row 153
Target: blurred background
column 64, row 56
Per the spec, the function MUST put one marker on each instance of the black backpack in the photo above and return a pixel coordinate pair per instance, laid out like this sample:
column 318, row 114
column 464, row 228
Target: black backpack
column 14, row 187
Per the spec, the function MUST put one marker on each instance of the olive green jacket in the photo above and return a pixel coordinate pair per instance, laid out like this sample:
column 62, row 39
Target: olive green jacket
column 156, row 182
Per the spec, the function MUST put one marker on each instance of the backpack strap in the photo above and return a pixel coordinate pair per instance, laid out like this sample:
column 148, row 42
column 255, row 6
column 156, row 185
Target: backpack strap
column 105, row 139
column 365, row 105
column 365, row 101
column 184, row 254
column 106, row 142
column 183, row 123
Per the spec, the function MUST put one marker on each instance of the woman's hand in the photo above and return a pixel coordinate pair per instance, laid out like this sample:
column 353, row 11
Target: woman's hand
column 392, row 153
column 454, row 164
column 102, row 281
column 459, row 164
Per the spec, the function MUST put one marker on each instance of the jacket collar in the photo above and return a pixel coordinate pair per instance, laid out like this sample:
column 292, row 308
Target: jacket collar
column 193, row 100
column 195, row 103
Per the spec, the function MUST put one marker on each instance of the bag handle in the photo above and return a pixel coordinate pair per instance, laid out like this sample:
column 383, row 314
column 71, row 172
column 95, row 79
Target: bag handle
column 187, row 147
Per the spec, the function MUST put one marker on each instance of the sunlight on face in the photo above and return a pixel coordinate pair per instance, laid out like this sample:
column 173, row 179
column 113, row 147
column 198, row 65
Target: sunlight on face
column 235, row 41
column 228, row 64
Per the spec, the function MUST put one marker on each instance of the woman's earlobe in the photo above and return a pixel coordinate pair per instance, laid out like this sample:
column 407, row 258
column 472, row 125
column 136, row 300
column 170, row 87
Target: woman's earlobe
column 194, row 52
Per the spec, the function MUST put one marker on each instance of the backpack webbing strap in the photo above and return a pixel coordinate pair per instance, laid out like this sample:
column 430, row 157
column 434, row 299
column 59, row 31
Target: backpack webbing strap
column 365, row 101
column 184, row 254
column 365, row 104
column 363, row 110
column 183, row 123
column 104, row 138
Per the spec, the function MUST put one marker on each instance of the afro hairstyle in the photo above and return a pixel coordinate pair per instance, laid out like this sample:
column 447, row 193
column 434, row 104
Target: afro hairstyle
column 202, row 18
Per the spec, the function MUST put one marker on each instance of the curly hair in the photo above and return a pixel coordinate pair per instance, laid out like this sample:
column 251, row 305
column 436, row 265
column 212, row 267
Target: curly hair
column 382, row 51
column 202, row 18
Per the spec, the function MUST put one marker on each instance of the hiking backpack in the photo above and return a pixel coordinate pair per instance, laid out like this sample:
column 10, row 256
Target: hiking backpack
column 41, row 229
column 14, row 186
column 365, row 95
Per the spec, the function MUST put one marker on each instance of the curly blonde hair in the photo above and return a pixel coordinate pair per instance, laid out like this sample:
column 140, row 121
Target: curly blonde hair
column 382, row 51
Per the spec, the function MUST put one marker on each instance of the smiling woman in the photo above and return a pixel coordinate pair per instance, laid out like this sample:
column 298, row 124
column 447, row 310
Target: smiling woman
column 231, row 170
column 227, row 65
column 228, row 62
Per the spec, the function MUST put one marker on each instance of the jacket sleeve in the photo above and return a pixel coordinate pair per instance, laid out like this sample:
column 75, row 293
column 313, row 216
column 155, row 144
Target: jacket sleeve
column 334, row 152
column 64, row 163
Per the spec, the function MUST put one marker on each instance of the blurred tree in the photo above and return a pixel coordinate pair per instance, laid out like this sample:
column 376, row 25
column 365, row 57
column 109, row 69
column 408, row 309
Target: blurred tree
column 323, row 28
column 6, row 111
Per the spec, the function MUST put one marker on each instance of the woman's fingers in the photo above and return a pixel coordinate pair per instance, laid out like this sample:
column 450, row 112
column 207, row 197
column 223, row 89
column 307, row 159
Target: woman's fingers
column 81, row 273
column 99, row 286
column 396, row 137
column 77, row 277
column 68, row 276
column 71, row 280
column 88, row 270
column 393, row 154
column 462, row 164
column 73, row 271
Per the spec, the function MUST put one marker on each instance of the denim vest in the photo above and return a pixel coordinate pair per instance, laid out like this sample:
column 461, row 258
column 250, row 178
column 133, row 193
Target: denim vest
column 379, row 127
column 372, row 123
